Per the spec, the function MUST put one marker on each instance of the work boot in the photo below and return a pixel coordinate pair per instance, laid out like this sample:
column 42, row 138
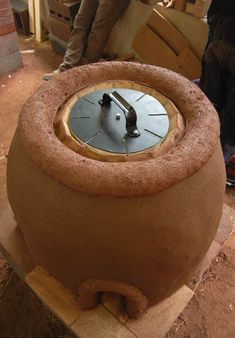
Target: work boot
column 230, row 171
column 228, row 152
column 51, row 76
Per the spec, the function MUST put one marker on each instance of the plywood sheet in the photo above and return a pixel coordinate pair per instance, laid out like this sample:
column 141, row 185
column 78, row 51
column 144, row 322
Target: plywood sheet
column 116, row 305
column 189, row 64
column 59, row 299
column 159, row 319
column 167, row 32
column 152, row 49
column 199, row 8
column 100, row 323
column 31, row 16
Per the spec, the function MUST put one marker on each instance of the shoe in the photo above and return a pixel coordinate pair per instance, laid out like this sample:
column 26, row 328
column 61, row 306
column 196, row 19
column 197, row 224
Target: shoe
column 228, row 152
column 230, row 171
column 50, row 76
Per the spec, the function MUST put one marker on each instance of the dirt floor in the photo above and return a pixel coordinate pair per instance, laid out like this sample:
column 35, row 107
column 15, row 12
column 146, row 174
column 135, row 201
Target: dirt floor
column 211, row 313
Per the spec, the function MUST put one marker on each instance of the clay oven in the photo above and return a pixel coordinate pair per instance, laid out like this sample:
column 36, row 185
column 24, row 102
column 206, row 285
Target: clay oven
column 105, row 209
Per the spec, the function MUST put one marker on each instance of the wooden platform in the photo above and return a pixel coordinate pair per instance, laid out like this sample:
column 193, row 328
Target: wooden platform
column 109, row 319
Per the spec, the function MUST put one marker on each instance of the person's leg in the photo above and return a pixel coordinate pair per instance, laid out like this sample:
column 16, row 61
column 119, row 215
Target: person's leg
column 227, row 114
column 106, row 16
column 212, row 79
column 218, row 83
column 81, row 27
column 228, row 125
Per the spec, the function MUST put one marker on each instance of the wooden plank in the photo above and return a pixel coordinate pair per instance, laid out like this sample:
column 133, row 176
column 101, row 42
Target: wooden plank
column 100, row 323
column 13, row 246
column 59, row 299
column 153, row 50
column 199, row 8
column 189, row 64
column 159, row 318
column 180, row 5
column 116, row 305
column 167, row 32
column 38, row 27
column 31, row 16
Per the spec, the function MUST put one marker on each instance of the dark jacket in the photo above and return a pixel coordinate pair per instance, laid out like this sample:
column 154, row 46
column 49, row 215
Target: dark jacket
column 221, row 8
column 221, row 19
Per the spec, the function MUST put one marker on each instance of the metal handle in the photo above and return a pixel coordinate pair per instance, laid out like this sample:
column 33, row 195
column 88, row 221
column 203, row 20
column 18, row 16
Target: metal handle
column 129, row 111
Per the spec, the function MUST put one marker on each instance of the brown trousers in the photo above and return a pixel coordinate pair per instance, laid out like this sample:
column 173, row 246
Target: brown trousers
column 92, row 26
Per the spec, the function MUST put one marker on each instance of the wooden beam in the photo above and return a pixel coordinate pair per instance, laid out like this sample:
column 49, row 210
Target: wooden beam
column 31, row 16
column 38, row 27
column 59, row 299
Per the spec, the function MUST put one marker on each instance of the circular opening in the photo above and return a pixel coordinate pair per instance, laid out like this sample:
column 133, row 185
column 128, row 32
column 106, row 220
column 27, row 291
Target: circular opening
column 103, row 131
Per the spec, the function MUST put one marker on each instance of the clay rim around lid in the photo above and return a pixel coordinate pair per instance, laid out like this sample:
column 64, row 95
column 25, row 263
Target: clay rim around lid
column 175, row 132
column 120, row 179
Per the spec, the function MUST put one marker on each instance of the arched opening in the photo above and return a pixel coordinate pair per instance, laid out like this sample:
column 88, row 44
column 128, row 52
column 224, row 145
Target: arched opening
column 91, row 290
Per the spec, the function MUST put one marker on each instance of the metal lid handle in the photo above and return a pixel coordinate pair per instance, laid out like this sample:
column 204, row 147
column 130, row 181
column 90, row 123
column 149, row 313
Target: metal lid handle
column 129, row 111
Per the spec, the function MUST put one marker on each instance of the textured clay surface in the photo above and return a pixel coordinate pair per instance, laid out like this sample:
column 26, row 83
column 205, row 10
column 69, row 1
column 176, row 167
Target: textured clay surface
column 209, row 314
column 119, row 179
column 145, row 224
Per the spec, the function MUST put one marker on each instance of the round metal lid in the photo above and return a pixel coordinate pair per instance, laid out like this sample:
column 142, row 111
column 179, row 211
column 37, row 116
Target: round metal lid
column 120, row 120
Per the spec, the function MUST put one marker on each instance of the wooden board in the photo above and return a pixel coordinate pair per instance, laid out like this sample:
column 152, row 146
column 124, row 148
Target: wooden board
column 38, row 27
column 31, row 16
column 116, row 305
column 158, row 320
column 180, row 5
column 154, row 50
column 199, row 8
column 167, row 32
column 59, row 299
column 189, row 64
